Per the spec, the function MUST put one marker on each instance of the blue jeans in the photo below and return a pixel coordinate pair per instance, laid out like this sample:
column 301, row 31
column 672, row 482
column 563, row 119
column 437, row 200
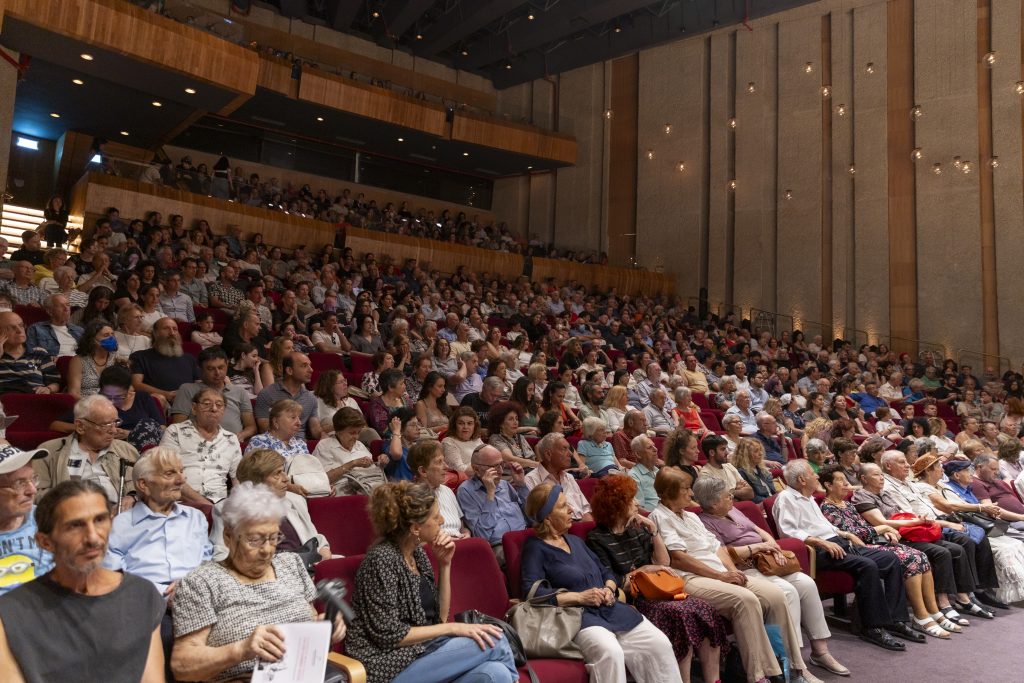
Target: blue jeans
column 461, row 660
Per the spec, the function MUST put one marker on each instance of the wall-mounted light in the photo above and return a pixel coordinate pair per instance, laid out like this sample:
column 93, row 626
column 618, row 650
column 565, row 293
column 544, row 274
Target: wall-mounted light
column 650, row 155
column 826, row 91
column 937, row 168
column 788, row 194
column 851, row 169
column 732, row 184
column 27, row 143
column 668, row 129
column 989, row 59
column 54, row 115
column 966, row 167
column 869, row 68
column 681, row 166
column 608, row 113
column 915, row 153
column 993, row 162
column 1019, row 87
column 957, row 163
column 78, row 81
column 732, row 122
column 840, row 110
column 916, row 112
column 751, row 88
column 809, row 67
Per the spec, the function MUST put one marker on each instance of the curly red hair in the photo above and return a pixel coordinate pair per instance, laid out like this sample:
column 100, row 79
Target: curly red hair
column 611, row 499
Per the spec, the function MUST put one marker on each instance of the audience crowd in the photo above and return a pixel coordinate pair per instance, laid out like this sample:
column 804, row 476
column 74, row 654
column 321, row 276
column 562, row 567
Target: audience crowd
column 222, row 384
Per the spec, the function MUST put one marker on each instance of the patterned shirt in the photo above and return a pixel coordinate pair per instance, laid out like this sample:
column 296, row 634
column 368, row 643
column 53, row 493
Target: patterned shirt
column 207, row 463
column 26, row 296
column 23, row 375
column 229, row 296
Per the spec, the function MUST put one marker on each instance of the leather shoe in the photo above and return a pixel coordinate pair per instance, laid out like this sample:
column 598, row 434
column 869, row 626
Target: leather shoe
column 877, row 636
column 986, row 599
column 901, row 630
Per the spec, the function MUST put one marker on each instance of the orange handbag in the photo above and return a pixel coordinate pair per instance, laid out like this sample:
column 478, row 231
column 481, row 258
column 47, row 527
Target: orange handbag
column 657, row 585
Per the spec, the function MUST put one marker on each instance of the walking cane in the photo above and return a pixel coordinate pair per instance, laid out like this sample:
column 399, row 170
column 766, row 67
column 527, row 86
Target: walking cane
column 123, row 465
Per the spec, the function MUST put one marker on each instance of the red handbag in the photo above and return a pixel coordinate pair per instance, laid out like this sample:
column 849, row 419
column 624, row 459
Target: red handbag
column 925, row 532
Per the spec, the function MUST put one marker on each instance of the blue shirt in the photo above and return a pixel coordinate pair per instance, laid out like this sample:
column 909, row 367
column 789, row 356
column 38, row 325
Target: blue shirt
column 492, row 519
column 158, row 548
column 598, row 456
column 868, row 403
column 646, row 496
column 399, row 470
column 21, row 560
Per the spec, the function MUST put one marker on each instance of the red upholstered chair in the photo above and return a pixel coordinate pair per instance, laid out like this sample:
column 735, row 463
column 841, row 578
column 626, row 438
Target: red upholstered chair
column 35, row 413
column 191, row 348
column 588, row 486
column 512, row 543
column 345, row 521
column 185, row 330
column 63, row 363
column 326, row 361
column 30, row 315
column 711, row 420
column 343, row 568
column 361, row 363
column 581, row 529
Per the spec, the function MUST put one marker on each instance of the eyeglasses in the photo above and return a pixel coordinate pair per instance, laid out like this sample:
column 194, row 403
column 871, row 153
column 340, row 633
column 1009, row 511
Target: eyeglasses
column 257, row 542
column 113, row 424
column 21, row 485
column 211, row 405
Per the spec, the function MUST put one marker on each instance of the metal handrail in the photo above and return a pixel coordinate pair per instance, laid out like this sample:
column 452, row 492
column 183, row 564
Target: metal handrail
column 922, row 345
column 982, row 356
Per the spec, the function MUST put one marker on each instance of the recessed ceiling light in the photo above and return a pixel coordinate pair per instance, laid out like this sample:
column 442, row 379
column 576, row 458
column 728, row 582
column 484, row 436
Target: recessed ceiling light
column 86, row 56
column 375, row 14
column 465, row 154
column 55, row 115
column 401, row 139
column 509, row 65
column 157, row 103
column 320, row 118
column 465, row 52
column 78, row 81
column 190, row 91
column 124, row 133
column 529, row 16
column 419, row 36
column 529, row 168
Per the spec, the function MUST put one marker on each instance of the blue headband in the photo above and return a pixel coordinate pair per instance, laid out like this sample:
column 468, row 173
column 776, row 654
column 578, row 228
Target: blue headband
column 549, row 504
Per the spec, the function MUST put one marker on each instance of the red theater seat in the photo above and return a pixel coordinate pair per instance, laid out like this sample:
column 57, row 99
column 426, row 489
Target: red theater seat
column 35, row 413
column 345, row 521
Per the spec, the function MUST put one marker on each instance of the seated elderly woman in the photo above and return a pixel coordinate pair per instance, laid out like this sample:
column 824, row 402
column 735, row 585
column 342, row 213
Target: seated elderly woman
column 688, row 413
column 391, row 400
column 283, row 435
column 744, row 539
column 613, row 636
column 626, row 542
column 225, row 612
column 917, row 571
column 209, row 452
column 817, row 453
column 958, row 496
column 401, row 632
column 267, row 467
column 747, row 601
column 733, row 426
column 597, row 449
column 347, row 462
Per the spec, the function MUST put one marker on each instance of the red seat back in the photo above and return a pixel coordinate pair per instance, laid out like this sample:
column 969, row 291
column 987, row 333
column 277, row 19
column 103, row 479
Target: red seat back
column 769, row 504
column 588, row 486
column 63, row 363
column 581, row 529
column 30, row 315
column 477, row 582
column 700, row 400
column 326, row 361
column 345, row 521
column 361, row 363
column 35, row 413
column 512, row 543
column 191, row 348
column 711, row 420
column 185, row 330
column 753, row 513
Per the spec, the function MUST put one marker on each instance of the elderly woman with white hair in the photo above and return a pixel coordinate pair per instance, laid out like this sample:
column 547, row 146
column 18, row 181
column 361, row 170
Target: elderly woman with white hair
column 816, row 452
column 733, row 427
column 226, row 613
column 744, row 541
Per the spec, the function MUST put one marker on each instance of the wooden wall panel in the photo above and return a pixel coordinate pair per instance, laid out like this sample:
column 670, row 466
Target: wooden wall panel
column 320, row 87
column 986, row 194
column 124, row 28
column 513, row 137
column 276, row 74
column 622, row 160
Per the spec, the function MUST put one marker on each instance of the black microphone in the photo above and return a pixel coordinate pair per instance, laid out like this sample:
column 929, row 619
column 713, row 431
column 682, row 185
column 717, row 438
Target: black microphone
column 332, row 593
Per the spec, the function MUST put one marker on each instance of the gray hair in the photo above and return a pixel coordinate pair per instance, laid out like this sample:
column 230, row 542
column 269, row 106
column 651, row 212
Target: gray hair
column 87, row 406
column 763, row 416
column 743, row 392
column 708, row 490
column 466, row 355
column 867, row 468
column 152, row 461
column 591, row 425
column 680, row 392
column 890, row 457
column 547, row 443
column 983, row 459
column 249, row 503
column 794, row 469
column 925, row 445
column 730, row 417
column 639, row 443
column 493, row 383
column 815, row 446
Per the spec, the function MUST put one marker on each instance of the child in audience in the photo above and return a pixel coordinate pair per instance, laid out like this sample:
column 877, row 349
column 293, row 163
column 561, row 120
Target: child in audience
column 204, row 334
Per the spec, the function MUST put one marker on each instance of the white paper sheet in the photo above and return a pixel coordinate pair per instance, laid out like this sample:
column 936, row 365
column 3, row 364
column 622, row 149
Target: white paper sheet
column 306, row 645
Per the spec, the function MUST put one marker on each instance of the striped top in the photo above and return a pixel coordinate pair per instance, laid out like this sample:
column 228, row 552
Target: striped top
column 23, row 375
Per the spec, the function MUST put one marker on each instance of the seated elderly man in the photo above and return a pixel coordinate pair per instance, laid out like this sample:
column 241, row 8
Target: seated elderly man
column 555, row 457
column 63, row 282
column 213, row 368
column 467, row 380
column 21, row 288
column 24, row 369
column 640, row 395
column 90, row 453
column 493, row 506
column 644, row 471
column 100, row 625
column 878, row 577
column 57, row 335
column 767, row 432
column 163, row 368
column 633, row 425
column 989, row 489
column 742, row 409
column 159, row 539
column 481, row 402
column 21, row 557
column 660, row 419
column 716, row 450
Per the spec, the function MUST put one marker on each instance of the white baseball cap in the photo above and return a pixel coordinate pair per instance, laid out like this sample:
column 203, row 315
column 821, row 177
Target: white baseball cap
column 12, row 459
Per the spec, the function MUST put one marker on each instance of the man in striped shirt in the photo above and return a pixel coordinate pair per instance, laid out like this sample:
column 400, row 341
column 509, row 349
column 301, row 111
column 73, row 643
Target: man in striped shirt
column 22, row 369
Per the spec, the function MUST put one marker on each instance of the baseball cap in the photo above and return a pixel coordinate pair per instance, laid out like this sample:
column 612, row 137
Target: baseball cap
column 12, row 458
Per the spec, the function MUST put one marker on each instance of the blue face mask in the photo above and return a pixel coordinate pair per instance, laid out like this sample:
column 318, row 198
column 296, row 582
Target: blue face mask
column 109, row 344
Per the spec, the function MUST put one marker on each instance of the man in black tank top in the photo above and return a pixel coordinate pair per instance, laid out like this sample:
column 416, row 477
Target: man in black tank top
column 80, row 622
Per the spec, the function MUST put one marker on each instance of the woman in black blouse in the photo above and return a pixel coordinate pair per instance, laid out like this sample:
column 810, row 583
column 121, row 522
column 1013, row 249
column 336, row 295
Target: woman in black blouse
column 401, row 632
column 627, row 542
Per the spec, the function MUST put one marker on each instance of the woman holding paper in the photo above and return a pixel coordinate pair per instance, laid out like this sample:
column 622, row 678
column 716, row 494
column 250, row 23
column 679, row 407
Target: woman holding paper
column 225, row 612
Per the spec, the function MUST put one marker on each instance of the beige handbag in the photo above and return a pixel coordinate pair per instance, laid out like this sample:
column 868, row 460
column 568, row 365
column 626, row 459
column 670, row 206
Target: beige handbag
column 547, row 630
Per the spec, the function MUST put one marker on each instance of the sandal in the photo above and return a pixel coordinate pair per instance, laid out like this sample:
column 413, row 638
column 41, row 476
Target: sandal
column 931, row 628
column 975, row 610
column 954, row 616
column 946, row 623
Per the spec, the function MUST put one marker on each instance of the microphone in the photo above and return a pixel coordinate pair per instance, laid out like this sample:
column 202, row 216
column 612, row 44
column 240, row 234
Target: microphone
column 332, row 593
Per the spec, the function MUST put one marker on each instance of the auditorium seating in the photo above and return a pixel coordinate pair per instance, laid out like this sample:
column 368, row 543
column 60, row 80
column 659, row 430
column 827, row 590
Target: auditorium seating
column 345, row 521
column 35, row 413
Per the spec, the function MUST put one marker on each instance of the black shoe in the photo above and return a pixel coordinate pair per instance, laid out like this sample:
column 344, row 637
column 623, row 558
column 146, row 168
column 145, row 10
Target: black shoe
column 974, row 609
column 986, row 599
column 898, row 628
column 877, row 636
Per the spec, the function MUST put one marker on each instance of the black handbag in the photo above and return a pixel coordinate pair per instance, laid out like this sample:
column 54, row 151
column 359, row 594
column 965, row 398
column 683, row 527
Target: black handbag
column 472, row 616
column 993, row 528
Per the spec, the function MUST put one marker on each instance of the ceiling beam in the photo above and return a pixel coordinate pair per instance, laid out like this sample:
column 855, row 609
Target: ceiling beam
column 564, row 19
column 399, row 15
column 341, row 13
column 468, row 17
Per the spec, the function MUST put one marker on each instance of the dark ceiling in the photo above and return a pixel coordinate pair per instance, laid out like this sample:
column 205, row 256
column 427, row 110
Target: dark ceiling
column 516, row 41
